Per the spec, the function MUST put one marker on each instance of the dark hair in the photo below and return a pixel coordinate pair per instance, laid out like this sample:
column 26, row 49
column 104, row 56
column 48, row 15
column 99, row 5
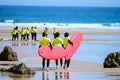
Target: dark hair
column 57, row 34
column 16, row 27
column 43, row 34
column 66, row 34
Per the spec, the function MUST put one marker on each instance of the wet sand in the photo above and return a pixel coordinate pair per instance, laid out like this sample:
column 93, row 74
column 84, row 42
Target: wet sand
column 5, row 33
column 77, row 66
column 82, row 66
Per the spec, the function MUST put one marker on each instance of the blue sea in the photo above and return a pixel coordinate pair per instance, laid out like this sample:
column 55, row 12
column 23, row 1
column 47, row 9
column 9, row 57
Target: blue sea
column 58, row 16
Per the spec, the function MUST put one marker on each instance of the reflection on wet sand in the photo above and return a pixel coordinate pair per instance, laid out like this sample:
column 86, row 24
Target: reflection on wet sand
column 58, row 75
column 23, row 43
column 45, row 75
column 67, row 75
column 15, row 43
column 62, row 75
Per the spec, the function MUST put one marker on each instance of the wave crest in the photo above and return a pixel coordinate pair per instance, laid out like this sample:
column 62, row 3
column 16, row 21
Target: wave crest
column 65, row 25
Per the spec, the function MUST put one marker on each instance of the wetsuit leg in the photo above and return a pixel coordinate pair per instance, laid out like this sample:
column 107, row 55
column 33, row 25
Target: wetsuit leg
column 68, row 63
column 48, row 62
column 43, row 63
column 61, row 62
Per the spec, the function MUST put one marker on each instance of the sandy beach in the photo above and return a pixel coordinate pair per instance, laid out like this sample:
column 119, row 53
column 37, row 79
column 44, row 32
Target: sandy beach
column 5, row 33
column 95, row 41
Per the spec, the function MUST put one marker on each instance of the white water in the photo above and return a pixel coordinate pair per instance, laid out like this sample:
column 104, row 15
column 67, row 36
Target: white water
column 113, row 26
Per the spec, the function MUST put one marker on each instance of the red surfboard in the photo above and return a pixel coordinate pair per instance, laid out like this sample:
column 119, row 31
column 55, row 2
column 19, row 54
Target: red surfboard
column 56, row 53
column 70, row 49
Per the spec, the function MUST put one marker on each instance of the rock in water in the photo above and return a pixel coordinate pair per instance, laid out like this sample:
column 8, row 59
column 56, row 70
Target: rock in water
column 112, row 60
column 21, row 69
column 8, row 54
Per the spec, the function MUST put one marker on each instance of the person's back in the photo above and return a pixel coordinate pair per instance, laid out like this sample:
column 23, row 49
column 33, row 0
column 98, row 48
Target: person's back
column 35, row 30
column 57, row 39
column 32, row 33
column 44, row 41
column 54, row 31
column 32, row 30
column 59, row 42
column 14, row 32
column 46, row 31
column 66, row 41
column 27, row 33
column 23, row 34
column 35, row 33
column 23, row 31
column 17, row 34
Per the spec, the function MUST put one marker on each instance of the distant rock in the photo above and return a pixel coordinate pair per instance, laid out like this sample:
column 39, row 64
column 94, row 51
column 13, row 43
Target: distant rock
column 19, row 69
column 112, row 60
column 8, row 54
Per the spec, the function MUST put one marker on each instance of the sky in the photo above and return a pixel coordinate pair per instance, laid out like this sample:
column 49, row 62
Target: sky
column 101, row 3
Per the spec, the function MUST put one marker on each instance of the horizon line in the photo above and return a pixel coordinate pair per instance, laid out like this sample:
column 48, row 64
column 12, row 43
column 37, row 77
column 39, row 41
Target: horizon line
column 59, row 6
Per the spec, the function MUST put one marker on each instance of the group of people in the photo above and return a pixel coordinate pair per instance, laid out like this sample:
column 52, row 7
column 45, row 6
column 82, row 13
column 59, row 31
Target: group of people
column 25, row 32
column 45, row 41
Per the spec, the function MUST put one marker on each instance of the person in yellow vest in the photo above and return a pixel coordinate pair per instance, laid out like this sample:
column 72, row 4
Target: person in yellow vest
column 17, row 34
column 46, row 30
column 32, row 33
column 45, row 41
column 14, row 32
column 54, row 31
column 27, row 33
column 23, row 34
column 35, row 33
column 66, row 41
column 59, row 42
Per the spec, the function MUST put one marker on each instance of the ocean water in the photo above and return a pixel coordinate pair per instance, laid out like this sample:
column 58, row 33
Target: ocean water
column 65, row 17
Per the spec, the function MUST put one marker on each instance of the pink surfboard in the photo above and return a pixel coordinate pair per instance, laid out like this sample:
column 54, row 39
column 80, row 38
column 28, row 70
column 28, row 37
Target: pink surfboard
column 70, row 50
column 56, row 53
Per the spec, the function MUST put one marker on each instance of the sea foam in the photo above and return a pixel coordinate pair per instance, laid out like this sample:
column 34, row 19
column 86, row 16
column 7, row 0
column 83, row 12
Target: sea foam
column 112, row 26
